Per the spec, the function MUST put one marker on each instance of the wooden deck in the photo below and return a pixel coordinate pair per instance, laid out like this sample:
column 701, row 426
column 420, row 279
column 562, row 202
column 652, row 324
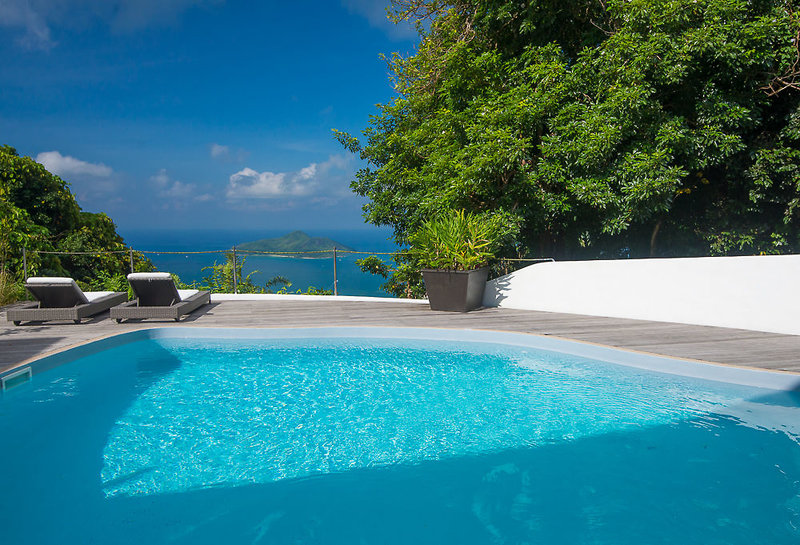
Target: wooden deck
column 720, row 345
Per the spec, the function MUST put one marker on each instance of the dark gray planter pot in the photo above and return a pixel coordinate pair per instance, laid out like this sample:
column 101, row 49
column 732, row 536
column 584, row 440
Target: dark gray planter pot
column 455, row 291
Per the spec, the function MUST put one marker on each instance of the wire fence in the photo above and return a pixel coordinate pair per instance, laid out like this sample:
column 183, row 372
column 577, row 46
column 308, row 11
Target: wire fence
column 505, row 264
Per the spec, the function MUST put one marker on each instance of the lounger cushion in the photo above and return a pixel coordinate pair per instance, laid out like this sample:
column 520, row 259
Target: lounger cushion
column 185, row 294
column 55, row 292
column 95, row 295
column 149, row 276
column 50, row 280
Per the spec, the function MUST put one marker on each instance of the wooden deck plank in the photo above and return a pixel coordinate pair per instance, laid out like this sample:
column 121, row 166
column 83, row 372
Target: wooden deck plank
column 721, row 345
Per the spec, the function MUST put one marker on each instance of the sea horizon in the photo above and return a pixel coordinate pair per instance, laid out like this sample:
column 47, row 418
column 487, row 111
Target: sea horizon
column 302, row 272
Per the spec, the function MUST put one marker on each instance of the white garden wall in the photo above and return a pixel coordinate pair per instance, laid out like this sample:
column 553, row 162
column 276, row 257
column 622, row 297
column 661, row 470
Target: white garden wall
column 761, row 293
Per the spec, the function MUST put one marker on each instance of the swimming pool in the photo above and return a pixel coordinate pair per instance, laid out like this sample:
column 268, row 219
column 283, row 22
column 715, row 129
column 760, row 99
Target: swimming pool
column 185, row 435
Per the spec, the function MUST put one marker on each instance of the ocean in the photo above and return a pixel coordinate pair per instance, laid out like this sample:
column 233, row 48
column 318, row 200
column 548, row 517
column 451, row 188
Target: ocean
column 302, row 272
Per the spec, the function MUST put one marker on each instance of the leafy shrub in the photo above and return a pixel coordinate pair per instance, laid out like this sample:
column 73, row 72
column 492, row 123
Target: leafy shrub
column 311, row 290
column 459, row 241
column 220, row 279
column 11, row 289
column 278, row 280
column 402, row 280
column 105, row 281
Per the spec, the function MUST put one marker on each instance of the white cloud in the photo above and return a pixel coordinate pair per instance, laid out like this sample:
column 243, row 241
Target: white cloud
column 65, row 166
column 324, row 182
column 160, row 178
column 219, row 151
column 92, row 183
column 249, row 184
column 307, row 173
column 180, row 190
column 20, row 14
column 36, row 17
column 132, row 15
column 227, row 154
column 374, row 11
column 176, row 189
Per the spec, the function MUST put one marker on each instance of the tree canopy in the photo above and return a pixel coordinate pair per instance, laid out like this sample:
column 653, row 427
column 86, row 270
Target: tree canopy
column 598, row 129
column 38, row 212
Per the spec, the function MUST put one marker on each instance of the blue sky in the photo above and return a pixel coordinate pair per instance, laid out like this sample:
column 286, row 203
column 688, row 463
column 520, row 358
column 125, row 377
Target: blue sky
column 198, row 114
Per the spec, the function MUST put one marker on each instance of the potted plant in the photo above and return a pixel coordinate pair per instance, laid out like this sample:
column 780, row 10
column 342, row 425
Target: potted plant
column 453, row 252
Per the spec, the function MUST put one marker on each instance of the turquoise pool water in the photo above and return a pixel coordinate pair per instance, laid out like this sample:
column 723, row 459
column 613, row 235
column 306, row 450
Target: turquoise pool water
column 348, row 441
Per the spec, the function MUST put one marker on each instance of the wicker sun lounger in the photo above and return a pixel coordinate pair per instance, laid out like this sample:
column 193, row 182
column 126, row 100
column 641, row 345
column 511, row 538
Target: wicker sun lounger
column 157, row 297
column 60, row 298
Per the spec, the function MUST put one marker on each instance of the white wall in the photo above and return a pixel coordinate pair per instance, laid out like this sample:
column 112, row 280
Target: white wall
column 755, row 292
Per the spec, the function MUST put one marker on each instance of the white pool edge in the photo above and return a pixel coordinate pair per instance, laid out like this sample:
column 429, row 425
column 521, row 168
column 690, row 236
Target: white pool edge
column 758, row 378
column 217, row 297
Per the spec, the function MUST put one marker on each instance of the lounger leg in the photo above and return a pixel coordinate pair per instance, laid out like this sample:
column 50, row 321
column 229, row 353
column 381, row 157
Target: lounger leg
column 77, row 321
column 17, row 322
column 119, row 320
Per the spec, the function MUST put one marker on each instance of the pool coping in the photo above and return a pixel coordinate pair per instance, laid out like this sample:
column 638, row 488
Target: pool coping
column 699, row 369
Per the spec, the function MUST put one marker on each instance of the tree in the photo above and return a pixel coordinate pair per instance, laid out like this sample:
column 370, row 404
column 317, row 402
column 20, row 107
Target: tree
column 625, row 128
column 38, row 212
column 44, row 196
column 16, row 231
column 35, row 204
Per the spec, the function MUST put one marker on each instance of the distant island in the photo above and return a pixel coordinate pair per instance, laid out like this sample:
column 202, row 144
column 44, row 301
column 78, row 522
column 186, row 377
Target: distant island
column 297, row 241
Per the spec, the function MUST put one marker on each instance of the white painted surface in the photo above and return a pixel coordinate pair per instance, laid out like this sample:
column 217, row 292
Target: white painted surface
column 760, row 293
column 216, row 297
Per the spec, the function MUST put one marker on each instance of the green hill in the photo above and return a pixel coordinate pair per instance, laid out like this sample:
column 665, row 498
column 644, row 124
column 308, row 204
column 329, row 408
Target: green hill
column 297, row 241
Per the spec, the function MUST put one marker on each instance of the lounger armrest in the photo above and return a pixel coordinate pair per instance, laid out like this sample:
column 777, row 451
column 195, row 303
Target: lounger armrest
column 132, row 310
column 194, row 301
column 200, row 295
column 26, row 306
column 127, row 304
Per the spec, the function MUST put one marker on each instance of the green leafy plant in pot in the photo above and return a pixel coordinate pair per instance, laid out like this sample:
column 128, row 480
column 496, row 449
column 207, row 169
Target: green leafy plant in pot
column 453, row 252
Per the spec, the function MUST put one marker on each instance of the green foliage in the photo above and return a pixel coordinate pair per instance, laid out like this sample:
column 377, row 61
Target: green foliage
column 11, row 289
column 459, row 241
column 625, row 128
column 220, row 279
column 97, row 232
column 275, row 281
column 39, row 213
column 374, row 265
column 44, row 196
column 107, row 281
column 285, row 285
column 311, row 290
column 404, row 279
column 17, row 230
